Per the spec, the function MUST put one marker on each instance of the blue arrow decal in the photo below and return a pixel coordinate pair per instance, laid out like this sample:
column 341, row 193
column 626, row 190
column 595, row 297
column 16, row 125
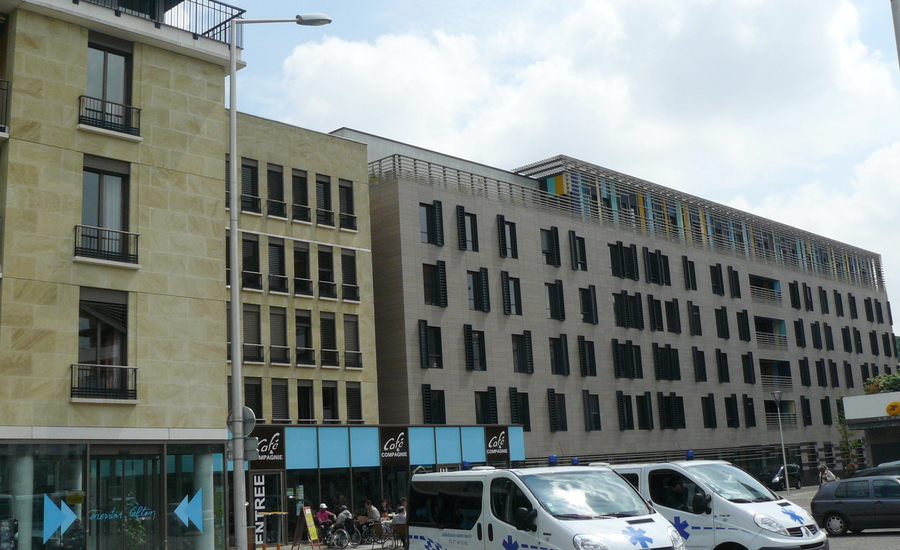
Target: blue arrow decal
column 682, row 526
column 637, row 536
column 191, row 510
column 510, row 544
column 56, row 518
column 793, row 515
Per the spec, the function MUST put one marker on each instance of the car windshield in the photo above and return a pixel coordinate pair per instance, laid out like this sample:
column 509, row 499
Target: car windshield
column 588, row 494
column 732, row 483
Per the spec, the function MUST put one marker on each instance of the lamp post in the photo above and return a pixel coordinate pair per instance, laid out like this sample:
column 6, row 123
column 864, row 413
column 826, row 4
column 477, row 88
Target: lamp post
column 237, row 386
column 776, row 395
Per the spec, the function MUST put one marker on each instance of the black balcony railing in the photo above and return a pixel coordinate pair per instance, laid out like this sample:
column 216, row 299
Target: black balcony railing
column 325, row 217
column 306, row 356
column 280, row 355
column 4, row 106
column 251, row 280
column 276, row 209
column 301, row 213
column 199, row 17
column 353, row 359
column 348, row 221
column 350, row 292
column 104, row 382
column 106, row 244
column 303, row 287
column 327, row 289
column 278, row 283
column 331, row 358
column 104, row 114
column 249, row 203
column 254, row 353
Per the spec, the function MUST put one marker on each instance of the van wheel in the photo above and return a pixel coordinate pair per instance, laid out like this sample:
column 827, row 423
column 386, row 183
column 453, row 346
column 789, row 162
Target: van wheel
column 835, row 524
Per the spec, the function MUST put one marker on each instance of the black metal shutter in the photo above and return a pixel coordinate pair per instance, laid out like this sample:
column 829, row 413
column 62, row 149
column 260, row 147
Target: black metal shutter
column 573, row 249
column 485, row 290
column 529, row 356
column 501, row 227
column 617, row 359
column 492, row 398
column 442, row 283
column 582, row 355
column 514, row 406
column 438, row 223
column 504, row 284
column 556, row 254
column 560, row 300
column 427, row 414
column 423, row 343
column 470, row 351
column 551, row 401
column 564, row 353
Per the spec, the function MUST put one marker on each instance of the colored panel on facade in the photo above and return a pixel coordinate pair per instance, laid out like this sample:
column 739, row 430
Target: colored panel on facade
column 421, row 446
column 449, row 448
column 516, row 442
column 334, row 448
column 473, row 444
column 364, row 447
column 301, row 448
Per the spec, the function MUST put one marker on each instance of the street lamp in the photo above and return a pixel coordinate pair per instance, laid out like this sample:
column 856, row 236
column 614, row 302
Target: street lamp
column 776, row 395
column 237, row 386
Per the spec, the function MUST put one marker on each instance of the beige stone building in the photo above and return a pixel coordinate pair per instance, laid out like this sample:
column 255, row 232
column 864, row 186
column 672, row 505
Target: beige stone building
column 114, row 361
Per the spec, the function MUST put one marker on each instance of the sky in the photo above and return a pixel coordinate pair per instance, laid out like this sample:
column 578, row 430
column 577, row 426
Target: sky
column 788, row 109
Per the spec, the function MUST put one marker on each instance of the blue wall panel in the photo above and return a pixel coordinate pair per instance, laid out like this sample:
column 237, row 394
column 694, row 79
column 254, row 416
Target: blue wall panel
column 473, row 444
column 516, row 443
column 301, row 448
column 334, row 448
column 449, row 448
column 364, row 447
column 421, row 446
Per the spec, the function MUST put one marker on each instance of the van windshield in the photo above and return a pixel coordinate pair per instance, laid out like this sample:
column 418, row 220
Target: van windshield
column 587, row 494
column 731, row 483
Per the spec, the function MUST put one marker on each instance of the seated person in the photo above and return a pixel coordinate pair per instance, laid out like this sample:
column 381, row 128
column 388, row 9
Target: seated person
column 372, row 514
column 342, row 517
column 674, row 496
column 324, row 518
column 400, row 517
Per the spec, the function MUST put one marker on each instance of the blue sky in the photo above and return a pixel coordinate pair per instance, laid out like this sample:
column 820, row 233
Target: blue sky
column 789, row 110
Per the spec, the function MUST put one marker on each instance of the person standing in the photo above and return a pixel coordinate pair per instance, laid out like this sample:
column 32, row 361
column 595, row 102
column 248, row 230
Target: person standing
column 825, row 475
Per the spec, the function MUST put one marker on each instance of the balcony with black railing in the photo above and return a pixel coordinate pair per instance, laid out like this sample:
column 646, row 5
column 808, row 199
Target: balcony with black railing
column 254, row 353
column 303, row 287
column 306, row 357
column 331, row 358
column 106, row 244
column 301, row 213
column 324, row 217
column 106, row 115
column 278, row 283
column 353, row 359
column 250, row 203
column 206, row 18
column 104, row 382
column 350, row 292
column 277, row 209
column 348, row 221
column 327, row 289
column 280, row 355
column 251, row 280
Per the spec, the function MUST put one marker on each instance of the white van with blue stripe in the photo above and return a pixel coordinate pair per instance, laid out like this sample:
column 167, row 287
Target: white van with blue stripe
column 714, row 504
column 552, row 508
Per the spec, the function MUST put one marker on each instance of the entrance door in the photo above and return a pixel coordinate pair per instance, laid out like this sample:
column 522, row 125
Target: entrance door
column 269, row 516
column 126, row 508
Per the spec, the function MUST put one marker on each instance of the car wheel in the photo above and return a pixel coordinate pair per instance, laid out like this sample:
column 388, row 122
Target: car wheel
column 799, row 484
column 835, row 524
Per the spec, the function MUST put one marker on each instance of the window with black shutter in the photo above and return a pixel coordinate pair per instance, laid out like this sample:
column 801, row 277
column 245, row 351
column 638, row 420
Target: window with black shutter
column 699, row 364
column 589, row 312
column 253, row 397
column 656, row 267
column 324, row 209
column 626, row 413
column 708, row 406
column 673, row 317
column 805, row 376
column 800, row 333
column 821, row 373
column 586, row 357
column 431, row 223
column 299, row 196
column 644, row 405
column 550, row 246
column 734, row 282
column 346, row 205
column 430, row 355
column 848, row 374
column 655, row 311
column 694, row 319
column 823, row 301
column 808, row 297
column 749, row 412
column 826, row 411
column 722, row 323
column 467, row 229
column 690, row 273
column 354, row 403
column 624, row 261
column 591, row 403
column 743, row 321
column 794, row 289
column 722, row 367
column 749, row 368
column 578, row 252
column 717, row 279
column 275, row 205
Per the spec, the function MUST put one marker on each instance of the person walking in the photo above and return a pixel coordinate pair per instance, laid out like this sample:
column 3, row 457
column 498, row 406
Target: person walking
column 825, row 475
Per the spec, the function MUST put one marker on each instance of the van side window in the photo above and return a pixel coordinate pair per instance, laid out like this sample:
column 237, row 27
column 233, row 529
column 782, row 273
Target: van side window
column 445, row 504
column 670, row 489
column 506, row 498
column 634, row 479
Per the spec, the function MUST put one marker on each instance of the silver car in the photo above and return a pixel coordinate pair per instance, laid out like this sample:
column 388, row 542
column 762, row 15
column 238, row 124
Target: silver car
column 857, row 503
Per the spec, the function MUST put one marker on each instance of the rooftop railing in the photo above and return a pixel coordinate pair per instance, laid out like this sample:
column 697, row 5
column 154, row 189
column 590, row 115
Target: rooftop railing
column 199, row 17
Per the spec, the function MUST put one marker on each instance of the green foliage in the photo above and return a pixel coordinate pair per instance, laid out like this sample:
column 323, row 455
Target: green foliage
column 883, row 383
column 848, row 443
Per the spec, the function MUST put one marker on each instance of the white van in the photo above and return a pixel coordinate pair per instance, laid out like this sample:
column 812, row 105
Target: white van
column 533, row 508
column 714, row 504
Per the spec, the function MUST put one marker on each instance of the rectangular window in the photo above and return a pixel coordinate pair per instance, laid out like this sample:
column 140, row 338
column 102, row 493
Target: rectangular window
column 826, row 411
column 821, row 374
column 857, row 340
column 694, row 317
column 838, row 303
column 805, row 376
column 509, row 247
column 794, row 288
column 251, row 277
column 671, row 411
column 690, row 274
column 722, row 367
column 352, row 349
column 722, row 323
column 103, row 336
column 624, row 261
column 873, row 342
column 348, row 209
column 864, row 372
column 749, row 367
column 275, row 205
column 107, row 99
column 708, row 406
column 628, row 310
column 557, row 408
column 328, row 339
column 431, row 223
column 476, row 358
column 732, row 420
column 626, row 413
column 556, row 306
column 280, row 408
column 306, row 352
column 805, row 411
column 870, row 313
column 848, row 374
column 717, row 279
column 434, row 278
column 879, row 313
column 848, row 342
column 305, row 400
column 655, row 311
column 349, row 286
column 559, row 355
column 253, row 397
column 523, row 360
column 656, row 267
column 467, row 229
column 808, row 297
column 627, row 360
column 591, row 410
column 816, row 332
column 512, row 294
column 303, row 284
column 519, row 409
column 250, row 200
column 743, row 321
column 829, row 337
column 851, row 299
column 279, row 352
column 103, row 233
column 823, row 300
column 327, row 284
column 644, row 405
column 430, row 355
column 699, row 364
column 734, row 282
column 666, row 363
column 354, row 403
column 550, row 246
column 673, row 317
column 749, row 412
column 324, row 210
column 299, row 196
column 578, row 251
column 486, row 406
column 800, row 333
column 253, row 347
column 589, row 313
column 278, row 281
column 886, row 340
column 478, row 290
column 833, row 371
column 433, row 410
column 587, row 357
